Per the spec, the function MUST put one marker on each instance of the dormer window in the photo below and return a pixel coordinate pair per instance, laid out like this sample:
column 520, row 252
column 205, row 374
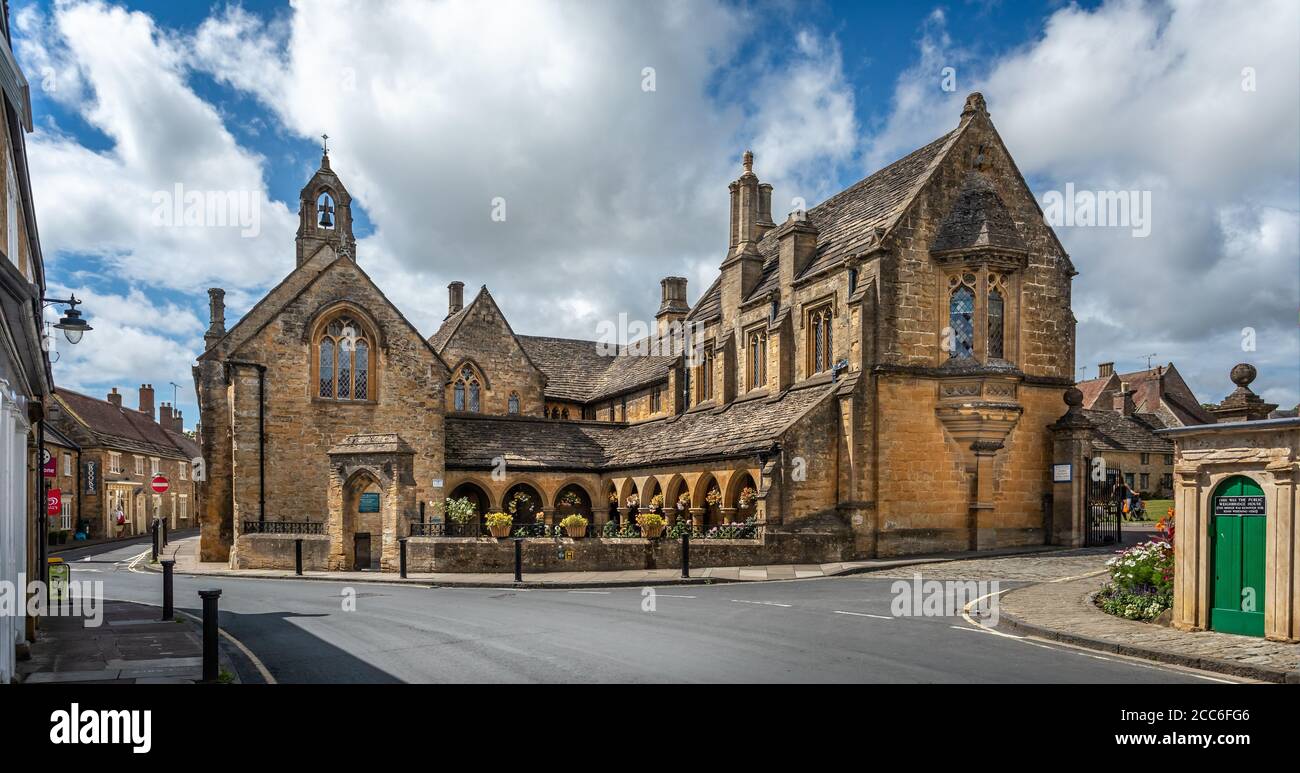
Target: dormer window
column 820, row 351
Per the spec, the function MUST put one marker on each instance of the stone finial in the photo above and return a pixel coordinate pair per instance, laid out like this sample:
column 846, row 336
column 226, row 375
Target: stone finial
column 1073, row 418
column 974, row 104
column 1242, row 374
column 1243, row 404
column 1073, row 398
column 747, row 161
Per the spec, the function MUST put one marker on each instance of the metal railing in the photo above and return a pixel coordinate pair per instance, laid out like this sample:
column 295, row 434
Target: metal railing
column 284, row 527
column 446, row 529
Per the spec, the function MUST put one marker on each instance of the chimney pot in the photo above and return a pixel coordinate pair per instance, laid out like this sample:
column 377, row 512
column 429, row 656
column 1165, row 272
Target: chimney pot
column 146, row 400
column 115, row 397
column 1105, row 369
column 1123, row 400
column 216, row 315
column 455, row 297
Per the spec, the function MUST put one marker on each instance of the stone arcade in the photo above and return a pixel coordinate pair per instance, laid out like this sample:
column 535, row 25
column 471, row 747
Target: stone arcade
column 876, row 376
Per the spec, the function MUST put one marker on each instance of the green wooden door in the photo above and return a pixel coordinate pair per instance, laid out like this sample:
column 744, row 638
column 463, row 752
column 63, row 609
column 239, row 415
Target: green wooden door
column 1237, row 520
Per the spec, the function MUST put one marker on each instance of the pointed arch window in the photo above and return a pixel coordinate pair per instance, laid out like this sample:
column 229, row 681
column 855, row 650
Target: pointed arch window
column 344, row 361
column 961, row 316
column 997, row 327
column 757, row 350
column 467, row 391
column 514, row 403
column 820, row 350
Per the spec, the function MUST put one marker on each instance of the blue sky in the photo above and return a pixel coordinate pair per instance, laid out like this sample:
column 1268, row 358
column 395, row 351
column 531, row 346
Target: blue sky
column 436, row 108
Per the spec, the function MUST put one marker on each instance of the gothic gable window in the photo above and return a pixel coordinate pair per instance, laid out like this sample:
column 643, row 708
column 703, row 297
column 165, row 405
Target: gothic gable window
column 756, row 350
column 820, row 351
column 513, row 406
column 467, row 394
column 344, row 360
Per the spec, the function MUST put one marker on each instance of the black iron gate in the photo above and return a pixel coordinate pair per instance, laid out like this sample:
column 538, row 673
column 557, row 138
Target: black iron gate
column 1101, row 509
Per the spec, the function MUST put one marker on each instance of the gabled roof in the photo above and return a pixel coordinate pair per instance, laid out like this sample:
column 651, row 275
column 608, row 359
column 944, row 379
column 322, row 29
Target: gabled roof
column 847, row 222
column 452, row 324
column 1150, row 387
column 735, row 430
column 124, row 428
column 1118, row 432
column 577, row 370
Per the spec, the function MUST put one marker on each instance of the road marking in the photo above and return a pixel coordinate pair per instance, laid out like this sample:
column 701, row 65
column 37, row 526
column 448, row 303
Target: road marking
column 761, row 603
column 671, row 596
column 863, row 614
column 592, row 592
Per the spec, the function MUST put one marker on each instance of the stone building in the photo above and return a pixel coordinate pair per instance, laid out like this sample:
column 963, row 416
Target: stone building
column 120, row 450
column 60, row 472
column 876, row 373
column 1159, row 391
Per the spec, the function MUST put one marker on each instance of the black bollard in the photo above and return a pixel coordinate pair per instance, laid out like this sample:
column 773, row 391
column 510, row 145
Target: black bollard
column 153, row 529
column 519, row 560
column 167, row 564
column 686, row 554
column 210, row 633
column 297, row 556
column 401, row 544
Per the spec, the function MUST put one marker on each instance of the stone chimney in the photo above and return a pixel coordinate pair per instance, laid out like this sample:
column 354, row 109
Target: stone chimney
column 1105, row 370
column 764, row 222
column 743, row 266
column 146, row 400
column 165, row 415
column 1124, row 404
column 178, row 422
column 216, row 316
column 455, row 297
column 672, row 304
column 115, row 397
column 796, row 245
column 1243, row 404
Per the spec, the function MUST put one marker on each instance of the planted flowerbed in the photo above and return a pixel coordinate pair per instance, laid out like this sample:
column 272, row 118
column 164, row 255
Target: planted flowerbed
column 1141, row 579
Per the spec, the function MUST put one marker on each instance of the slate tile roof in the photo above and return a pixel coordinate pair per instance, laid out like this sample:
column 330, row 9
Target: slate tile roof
column 1128, row 433
column 1149, row 388
column 126, row 429
column 738, row 429
column 577, row 371
column 846, row 222
column 978, row 218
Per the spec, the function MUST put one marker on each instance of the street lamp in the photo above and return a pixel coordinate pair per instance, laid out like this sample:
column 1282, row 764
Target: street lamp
column 72, row 325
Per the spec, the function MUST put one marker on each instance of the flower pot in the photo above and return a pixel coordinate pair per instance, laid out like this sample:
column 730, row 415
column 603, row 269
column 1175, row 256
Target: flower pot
column 499, row 531
column 652, row 532
column 576, row 532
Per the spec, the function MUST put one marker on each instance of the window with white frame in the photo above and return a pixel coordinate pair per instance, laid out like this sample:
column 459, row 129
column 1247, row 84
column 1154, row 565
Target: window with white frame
column 182, row 470
column 139, row 465
column 184, row 506
column 153, row 465
column 65, row 515
column 114, row 462
column 67, row 464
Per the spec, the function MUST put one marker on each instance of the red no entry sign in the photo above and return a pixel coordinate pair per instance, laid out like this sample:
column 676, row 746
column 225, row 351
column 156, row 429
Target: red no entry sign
column 159, row 484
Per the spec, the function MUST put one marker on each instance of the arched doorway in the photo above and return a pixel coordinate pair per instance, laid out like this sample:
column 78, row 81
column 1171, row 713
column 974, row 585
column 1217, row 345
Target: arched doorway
column 479, row 498
column 363, row 523
column 523, row 503
column 1237, row 556
column 711, row 500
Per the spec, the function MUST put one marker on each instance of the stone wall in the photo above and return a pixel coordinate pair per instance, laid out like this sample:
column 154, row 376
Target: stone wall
column 484, row 340
column 276, row 551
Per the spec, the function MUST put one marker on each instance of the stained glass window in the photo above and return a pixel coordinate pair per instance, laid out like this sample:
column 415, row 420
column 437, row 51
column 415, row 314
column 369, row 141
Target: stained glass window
column 961, row 313
column 344, row 361
column 995, row 324
column 459, row 391
column 473, row 397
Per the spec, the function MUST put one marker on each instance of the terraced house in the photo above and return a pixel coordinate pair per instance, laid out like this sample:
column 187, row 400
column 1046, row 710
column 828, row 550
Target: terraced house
column 873, row 376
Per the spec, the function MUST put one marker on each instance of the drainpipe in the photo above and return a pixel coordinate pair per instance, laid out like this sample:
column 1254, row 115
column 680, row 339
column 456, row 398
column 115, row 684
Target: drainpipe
column 261, row 434
column 42, row 520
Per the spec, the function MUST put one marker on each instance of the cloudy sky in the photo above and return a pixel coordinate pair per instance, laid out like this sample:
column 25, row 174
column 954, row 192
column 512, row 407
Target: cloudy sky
column 614, row 175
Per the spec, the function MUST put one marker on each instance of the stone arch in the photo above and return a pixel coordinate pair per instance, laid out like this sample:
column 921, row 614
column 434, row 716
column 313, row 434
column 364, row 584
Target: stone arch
column 650, row 487
column 474, row 366
column 584, row 508
column 741, row 479
column 701, row 489
column 626, row 488
column 525, row 510
column 476, row 492
column 673, row 489
column 327, row 311
column 359, row 481
column 553, row 494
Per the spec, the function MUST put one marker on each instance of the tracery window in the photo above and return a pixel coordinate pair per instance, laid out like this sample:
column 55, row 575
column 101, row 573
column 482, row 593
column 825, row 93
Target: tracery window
column 820, row 351
column 996, row 318
column 345, row 361
column 513, row 406
column 467, row 393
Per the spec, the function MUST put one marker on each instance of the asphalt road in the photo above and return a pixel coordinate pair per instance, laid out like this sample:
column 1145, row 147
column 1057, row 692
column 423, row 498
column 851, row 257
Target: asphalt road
column 817, row 630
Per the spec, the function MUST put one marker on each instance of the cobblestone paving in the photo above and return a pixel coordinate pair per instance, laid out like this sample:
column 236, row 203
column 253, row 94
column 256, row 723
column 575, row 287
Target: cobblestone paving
column 1065, row 607
column 1040, row 567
